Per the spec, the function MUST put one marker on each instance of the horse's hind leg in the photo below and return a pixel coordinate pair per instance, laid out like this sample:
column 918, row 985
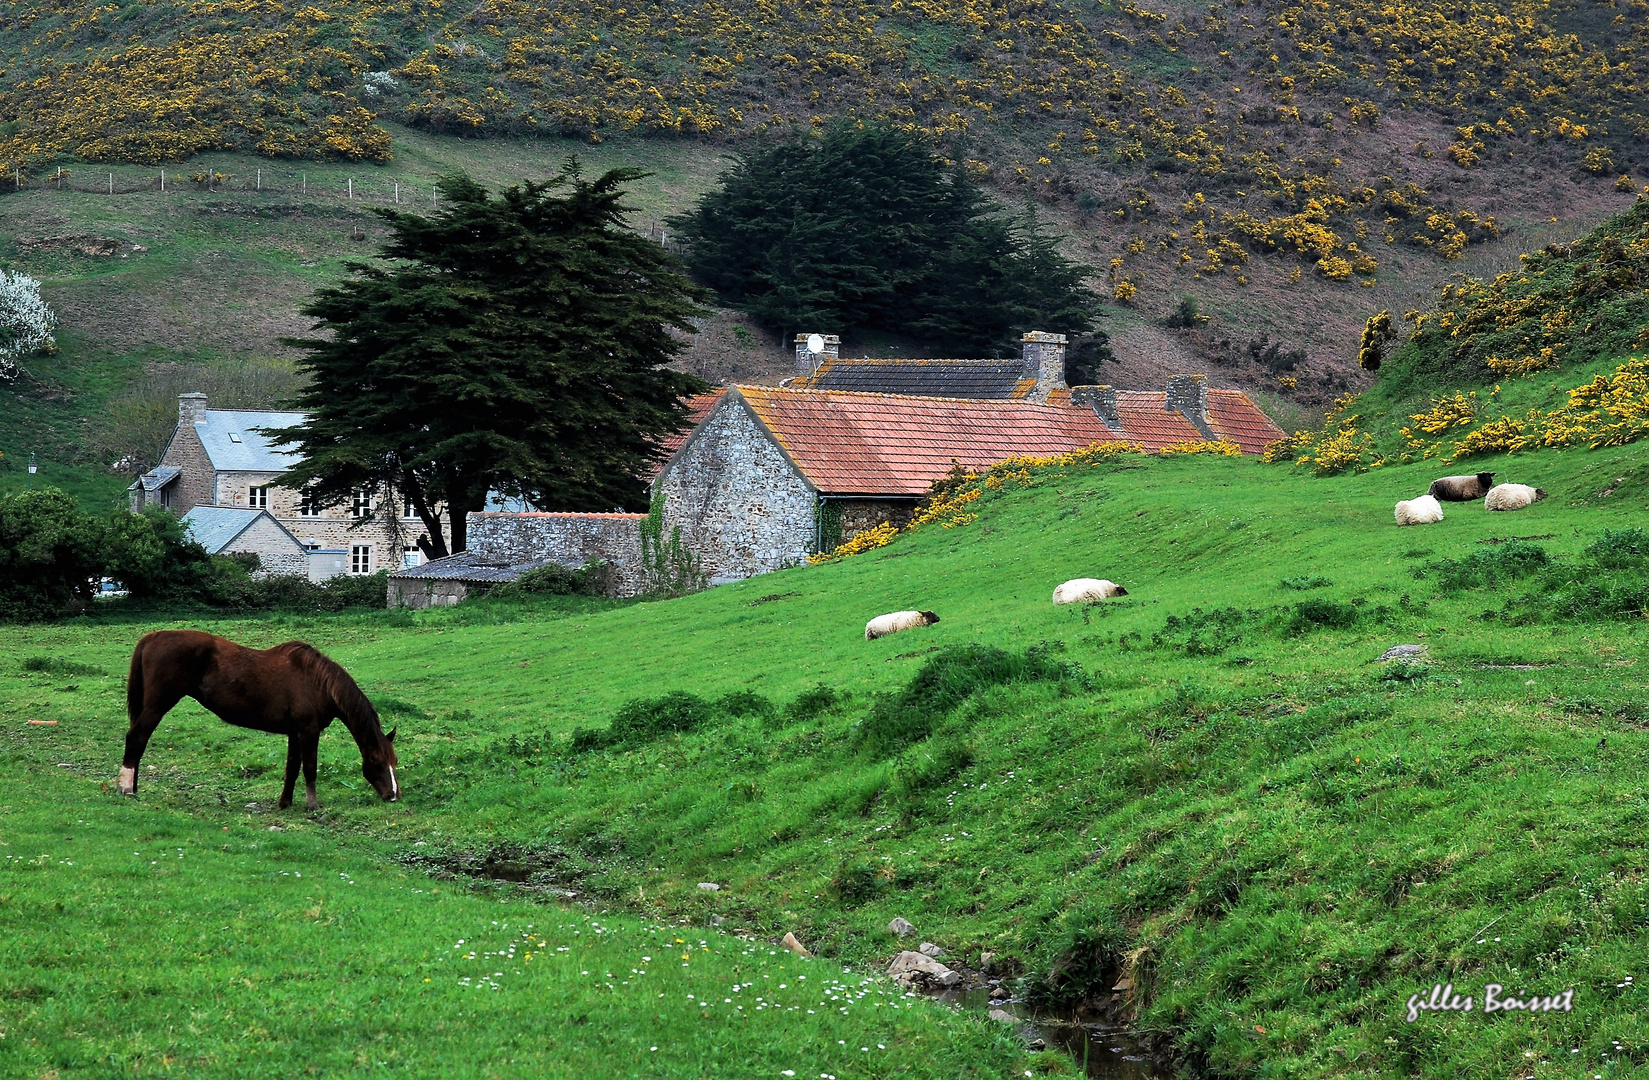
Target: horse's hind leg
column 294, row 757
column 311, row 750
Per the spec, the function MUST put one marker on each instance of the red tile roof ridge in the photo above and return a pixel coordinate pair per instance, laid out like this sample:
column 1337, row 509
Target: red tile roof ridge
column 554, row 514
column 923, row 360
column 990, row 402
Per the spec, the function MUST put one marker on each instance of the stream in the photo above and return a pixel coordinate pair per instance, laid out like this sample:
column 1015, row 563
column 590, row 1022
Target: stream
column 1108, row 1052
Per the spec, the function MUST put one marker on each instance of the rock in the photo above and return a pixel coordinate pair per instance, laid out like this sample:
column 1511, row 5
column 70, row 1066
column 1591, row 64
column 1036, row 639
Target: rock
column 918, row 971
column 1000, row 993
column 256, row 808
column 709, row 886
column 716, row 920
column 987, row 963
column 900, row 928
column 794, row 946
column 1124, row 984
column 1401, row 652
column 1003, row 1016
column 931, row 949
column 1037, row 1044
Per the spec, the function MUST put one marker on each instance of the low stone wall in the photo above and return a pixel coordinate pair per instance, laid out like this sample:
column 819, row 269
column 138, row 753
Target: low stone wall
column 425, row 592
column 859, row 515
column 569, row 539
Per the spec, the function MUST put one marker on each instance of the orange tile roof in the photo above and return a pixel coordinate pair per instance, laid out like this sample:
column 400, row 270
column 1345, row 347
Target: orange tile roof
column 1147, row 421
column 1235, row 416
column 885, row 444
column 698, row 407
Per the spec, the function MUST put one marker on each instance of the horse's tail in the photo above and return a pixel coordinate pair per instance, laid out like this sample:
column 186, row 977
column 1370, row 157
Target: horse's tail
column 134, row 683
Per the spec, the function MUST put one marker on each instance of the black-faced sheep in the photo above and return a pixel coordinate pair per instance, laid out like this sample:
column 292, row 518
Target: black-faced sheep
column 895, row 621
column 1422, row 511
column 1461, row 488
column 1512, row 496
column 1084, row 590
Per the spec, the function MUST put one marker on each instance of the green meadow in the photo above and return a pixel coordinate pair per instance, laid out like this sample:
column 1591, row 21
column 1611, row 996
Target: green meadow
column 1208, row 793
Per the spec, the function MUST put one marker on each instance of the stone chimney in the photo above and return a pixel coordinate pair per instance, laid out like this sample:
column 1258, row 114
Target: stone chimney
column 806, row 359
column 191, row 409
column 1188, row 396
column 1103, row 400
column 1044, row 355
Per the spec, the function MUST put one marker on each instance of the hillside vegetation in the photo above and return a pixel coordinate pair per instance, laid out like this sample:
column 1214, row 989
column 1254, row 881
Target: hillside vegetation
column 1208, row 787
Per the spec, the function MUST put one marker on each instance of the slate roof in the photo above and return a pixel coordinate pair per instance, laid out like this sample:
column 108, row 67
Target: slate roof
column 155, row 478
column 216, row 527
column 976, row 379
column 884, row 444
column 233, row 443
column 471, row 566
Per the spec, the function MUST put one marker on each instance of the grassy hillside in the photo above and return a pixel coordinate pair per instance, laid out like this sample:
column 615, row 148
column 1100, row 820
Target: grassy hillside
column 1208, row 787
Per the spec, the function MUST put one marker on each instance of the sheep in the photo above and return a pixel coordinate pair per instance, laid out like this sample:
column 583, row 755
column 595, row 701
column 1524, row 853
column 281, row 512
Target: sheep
column 1461, row 488
column 1511, row 496
column 1085, row 590
column 1422, row 511
column 893, row 622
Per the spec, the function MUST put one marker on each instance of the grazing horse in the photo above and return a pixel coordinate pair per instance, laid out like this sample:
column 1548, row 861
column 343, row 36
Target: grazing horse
column 289, row 690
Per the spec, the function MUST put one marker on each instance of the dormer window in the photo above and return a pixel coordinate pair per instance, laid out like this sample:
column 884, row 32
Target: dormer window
column 234, row 436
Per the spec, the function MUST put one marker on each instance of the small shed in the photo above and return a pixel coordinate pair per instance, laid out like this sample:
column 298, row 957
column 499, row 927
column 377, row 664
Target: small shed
column 233, row 530
column 444, row 582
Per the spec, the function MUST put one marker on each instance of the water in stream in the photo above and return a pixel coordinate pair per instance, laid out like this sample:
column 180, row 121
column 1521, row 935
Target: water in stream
column 1109, row 1052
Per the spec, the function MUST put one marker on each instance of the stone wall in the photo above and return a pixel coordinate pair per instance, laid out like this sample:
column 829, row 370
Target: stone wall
column 861, row 514
column 195, row 482
column 425, row 592
column 569, row 539
column 277, row 554
column 742, row 507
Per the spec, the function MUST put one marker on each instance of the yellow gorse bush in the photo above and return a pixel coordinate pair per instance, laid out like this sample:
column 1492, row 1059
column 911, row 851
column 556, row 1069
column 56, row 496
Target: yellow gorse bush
column 1221, row 447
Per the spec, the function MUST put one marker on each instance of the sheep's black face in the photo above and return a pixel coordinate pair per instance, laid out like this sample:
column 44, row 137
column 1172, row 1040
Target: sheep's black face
column 1486, row 479
column 1121, row 591
column 1539, row 494
column 930, row 617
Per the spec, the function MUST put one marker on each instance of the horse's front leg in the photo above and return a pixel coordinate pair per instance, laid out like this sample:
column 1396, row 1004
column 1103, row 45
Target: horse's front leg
column 311, row 751
column 294, row 758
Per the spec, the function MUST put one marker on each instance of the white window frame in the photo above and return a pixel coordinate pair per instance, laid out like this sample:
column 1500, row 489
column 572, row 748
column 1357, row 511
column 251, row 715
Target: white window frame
column 408, row 511
column 361, row 507
column 257, row 496
column 411, row 555
column 307, row 506
column 360, row 559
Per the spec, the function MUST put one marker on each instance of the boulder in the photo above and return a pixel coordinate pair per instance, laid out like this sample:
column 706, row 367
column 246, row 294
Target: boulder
column 931, row 949
column 900, row 928
column 987, row 963
column 1003, row 1016
column 918, row 971
column 1401, row 652
column 709, row 886
column 793, row 945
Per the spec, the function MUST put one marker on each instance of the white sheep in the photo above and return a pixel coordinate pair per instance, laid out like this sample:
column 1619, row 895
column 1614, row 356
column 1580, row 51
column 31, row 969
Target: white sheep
column 1085, row 590
column 895, row 621
column 1511, row 496
column 1422, row 511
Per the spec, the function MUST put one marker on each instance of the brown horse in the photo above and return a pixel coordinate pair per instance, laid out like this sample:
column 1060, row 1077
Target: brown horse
column 289, row 690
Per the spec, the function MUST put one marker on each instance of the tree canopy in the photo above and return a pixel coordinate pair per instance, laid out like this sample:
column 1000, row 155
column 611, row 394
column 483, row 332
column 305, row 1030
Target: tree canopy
column 866, row 229
column 514, row 343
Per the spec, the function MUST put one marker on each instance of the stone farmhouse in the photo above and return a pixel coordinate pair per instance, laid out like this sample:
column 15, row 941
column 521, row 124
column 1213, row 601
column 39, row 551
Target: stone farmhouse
column 772, row 475
column 220, row 459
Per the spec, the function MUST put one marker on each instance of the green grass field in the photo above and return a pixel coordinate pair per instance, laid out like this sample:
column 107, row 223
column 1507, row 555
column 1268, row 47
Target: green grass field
column 1208, row 786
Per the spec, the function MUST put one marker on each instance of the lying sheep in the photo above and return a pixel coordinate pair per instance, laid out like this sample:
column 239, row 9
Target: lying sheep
column 1461, row 488
column 1084, row 590
column 1425, row 510
column 893, row 622
column 1512, row 496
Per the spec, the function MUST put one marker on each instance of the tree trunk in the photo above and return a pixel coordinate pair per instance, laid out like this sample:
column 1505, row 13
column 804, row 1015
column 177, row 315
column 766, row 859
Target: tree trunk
column 432, row 543
column 460, row 528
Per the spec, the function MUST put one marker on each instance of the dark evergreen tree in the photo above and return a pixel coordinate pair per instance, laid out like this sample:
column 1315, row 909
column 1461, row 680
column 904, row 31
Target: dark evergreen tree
column 866, row 229
column 514, row 344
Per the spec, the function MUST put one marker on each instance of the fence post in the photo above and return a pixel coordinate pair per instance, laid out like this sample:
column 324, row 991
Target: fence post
column 111, row 183
column 260, row 179
column 397, row 193
column 351, row 183
column 163, row 180
column 305, row 183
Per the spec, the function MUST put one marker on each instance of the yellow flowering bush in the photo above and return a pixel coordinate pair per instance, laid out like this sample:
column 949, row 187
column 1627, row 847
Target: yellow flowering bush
column 869, row 540
column 1204, row 446
column 1608, row 411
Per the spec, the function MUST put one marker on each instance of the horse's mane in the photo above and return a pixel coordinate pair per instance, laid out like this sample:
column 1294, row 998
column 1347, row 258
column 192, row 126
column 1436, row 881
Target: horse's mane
column 358, row 712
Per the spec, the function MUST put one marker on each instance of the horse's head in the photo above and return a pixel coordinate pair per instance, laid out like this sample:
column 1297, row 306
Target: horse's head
column 378, row 767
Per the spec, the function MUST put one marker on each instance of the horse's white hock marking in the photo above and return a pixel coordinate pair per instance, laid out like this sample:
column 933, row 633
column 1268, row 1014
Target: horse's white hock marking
column 394, row 785
column 128, row 780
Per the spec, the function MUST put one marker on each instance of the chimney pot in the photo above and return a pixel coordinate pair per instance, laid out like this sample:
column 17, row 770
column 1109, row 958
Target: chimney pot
column 806, row 359
column 1044, row 356
column 1103, row 400
column 1188, row 396
column 191, row 409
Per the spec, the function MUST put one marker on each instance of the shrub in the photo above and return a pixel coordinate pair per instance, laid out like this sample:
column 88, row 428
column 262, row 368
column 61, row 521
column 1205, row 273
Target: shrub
column 1187, row 314
column 1618, row 548
column 1089, row 962
column 857, row 881
column 947, row 679
column 1303, row 583
column 57, row 666
column 152, row 556
column 1487, row 568
column 742, row 703
column 928, row 765
column 1204, row 633
column 26, row 321
column 1311, row 614
column 811, row 704
column 641, row 720
column 594, row 578
column 51, row 555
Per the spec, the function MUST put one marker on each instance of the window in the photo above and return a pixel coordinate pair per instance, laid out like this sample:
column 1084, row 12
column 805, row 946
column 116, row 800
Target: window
column 362, row 506
column 408, row 510
column 360, row 559
column 308, row 507
column 411, row 556
column 257, row 498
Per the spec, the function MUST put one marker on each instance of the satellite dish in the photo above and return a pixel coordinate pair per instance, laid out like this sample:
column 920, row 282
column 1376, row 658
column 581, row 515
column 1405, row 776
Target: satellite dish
column 815, row 344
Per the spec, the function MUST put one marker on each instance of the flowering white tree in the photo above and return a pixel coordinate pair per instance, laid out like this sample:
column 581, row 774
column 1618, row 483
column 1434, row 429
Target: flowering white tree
column 26, row 322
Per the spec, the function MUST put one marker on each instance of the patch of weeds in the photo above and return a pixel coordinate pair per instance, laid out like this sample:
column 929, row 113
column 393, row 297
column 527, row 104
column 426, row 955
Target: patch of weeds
column 926, row 766
column 742, row 703
column 1318, row 613
column 1616, row 549
column 1415, row 553
column 858, row 881
column 770, row 598
column 1485, row 569
column 388, row 706
column 1404, row 672
column 1302, row 584
column 811, row 704
column 944, row 682
column 641, row 720
column 1088, row 963
column 1205, row 633
column 54, row 665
